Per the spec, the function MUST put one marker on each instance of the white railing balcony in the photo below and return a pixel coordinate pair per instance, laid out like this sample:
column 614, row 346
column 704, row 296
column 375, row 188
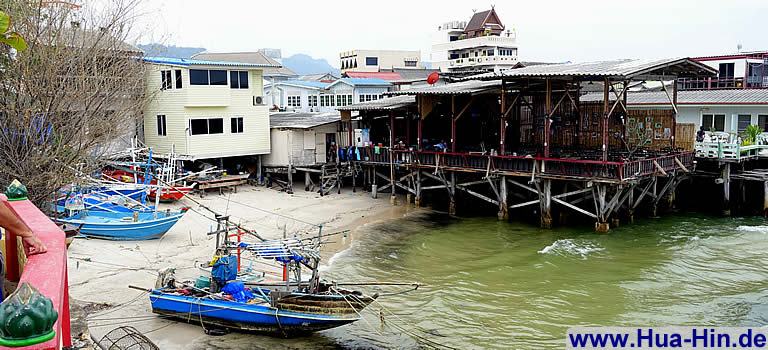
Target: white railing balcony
column 482, row 61
column 481, row 41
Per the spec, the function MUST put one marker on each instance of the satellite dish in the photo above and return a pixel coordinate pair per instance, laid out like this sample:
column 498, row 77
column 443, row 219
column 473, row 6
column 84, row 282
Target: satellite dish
column 433, row 78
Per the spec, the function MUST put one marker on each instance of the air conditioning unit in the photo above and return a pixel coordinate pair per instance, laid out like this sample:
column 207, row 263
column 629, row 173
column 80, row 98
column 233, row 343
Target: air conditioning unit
column 258, row 100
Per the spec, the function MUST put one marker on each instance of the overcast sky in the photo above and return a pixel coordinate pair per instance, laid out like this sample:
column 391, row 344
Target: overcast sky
column 575, row 30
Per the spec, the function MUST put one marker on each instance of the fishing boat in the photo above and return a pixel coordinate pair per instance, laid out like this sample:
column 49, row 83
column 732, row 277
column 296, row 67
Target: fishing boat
column 123, row 226
column 286, row 308
column 172, row 193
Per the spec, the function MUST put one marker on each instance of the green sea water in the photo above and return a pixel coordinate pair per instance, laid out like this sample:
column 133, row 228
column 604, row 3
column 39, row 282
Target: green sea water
column 491, row 284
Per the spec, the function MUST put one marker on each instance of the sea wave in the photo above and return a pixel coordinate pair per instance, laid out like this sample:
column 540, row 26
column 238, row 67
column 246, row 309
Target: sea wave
column 760, row 228
column 571, row 247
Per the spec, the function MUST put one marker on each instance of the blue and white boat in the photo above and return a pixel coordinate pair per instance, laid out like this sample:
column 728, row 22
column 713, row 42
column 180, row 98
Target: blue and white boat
column 123, row 226
column 275, row 317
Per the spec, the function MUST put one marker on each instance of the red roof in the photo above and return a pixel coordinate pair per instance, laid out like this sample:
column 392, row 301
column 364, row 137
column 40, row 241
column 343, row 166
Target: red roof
column 390, row 76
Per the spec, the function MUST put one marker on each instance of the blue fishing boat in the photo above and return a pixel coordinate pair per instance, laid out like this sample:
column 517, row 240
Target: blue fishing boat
column 102, row 202
column 123, row 226
column 262, row 315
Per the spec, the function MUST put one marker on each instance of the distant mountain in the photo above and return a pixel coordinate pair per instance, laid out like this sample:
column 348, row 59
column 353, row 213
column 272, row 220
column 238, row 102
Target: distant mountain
column 170, row 51
column 304, row 64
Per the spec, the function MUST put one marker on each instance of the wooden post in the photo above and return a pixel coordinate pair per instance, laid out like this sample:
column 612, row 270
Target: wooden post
column 407, row 130
column 417, row 199
column 290, row 177
column 726, row 177
column 391, row 130
column 307, row 181
column 322, row 180
column 630, row 205
column 606, row 110
column 374, row 186
column 503, row 208
column 545, row 203
column 502, row 120
column 453, row 123
column 548, row 105
column 655, row 203
column 602, row 225
column 351, row 133
column 353, row 170
column 259, row 175
column 674, row 117
column 418, row 133
column 452, row 204
column 765, row 198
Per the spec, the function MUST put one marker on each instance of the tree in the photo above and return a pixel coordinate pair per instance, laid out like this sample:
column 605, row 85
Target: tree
column 7, row 37
column 76, row 89
column 749, row 137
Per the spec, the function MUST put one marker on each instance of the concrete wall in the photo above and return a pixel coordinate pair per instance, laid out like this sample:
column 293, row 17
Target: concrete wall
column 388, row 59
column 198, row 101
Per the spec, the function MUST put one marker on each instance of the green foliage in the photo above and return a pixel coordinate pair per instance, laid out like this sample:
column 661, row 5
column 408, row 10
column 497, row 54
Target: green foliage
column 12, row 39
column 749, row 136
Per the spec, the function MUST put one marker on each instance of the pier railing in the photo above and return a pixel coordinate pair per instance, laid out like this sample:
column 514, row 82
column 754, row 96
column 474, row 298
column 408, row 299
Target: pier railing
column 733, row 152
column 45, row 272
column 526, row 165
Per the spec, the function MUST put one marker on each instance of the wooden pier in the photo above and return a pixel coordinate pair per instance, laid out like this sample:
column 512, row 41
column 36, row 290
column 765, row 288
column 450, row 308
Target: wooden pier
column 521, row 140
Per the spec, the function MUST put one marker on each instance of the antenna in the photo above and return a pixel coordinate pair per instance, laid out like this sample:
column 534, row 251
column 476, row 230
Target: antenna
column 738, row 47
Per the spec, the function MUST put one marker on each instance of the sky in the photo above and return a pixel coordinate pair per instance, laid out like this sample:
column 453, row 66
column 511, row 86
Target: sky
column 547, row 30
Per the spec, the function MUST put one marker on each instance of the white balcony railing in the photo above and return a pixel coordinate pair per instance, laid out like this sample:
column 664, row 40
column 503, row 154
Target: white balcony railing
column 482, row 61
column 481, row 41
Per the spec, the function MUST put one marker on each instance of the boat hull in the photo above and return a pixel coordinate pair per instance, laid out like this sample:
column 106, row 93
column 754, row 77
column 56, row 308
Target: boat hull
column 261, row 318
column 171, row 195
column 113, row 226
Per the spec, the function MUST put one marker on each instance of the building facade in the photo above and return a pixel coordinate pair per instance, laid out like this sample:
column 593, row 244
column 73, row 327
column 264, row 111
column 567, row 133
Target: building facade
column 480, row 45
column 747, row 70
column 376, row 60
column 206, row 109
column 313, row 96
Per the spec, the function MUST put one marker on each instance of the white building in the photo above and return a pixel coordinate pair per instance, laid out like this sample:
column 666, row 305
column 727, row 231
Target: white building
column 376, row 60
column 315, row 96
column 747, row 70
column 480, row 45
column 206, row 109
column 302, row 139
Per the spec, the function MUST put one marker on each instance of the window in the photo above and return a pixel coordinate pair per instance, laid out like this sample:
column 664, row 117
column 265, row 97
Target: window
column 340, row 100
column 410, row 63
column 207, row 77
column 744, row 121
column 178, row 78
column 762, row 120
column 294, row 101
column 489, row 52
column 238, row 79
column 312, row 101
column 349, row 99
column 198, row 77
column 713, row 122
column 206, row 126
column 453, row 56
column 218, row 77
column 161, row 130
column 726, row 70
column 371, row 61
column 236, row 125
column 166, row 80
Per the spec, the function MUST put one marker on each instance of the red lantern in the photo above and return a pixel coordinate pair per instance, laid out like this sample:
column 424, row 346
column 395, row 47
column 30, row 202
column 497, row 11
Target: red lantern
column 433, row 78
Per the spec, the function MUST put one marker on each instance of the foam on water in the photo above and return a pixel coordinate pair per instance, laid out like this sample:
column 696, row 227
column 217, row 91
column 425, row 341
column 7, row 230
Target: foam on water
column 571, row 247
column 761, row 228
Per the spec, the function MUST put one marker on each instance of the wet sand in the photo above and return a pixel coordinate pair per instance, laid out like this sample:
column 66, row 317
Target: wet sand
column 100, row 271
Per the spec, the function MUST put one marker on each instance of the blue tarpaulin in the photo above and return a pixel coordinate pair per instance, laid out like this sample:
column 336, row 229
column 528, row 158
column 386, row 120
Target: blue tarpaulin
column 225, row 269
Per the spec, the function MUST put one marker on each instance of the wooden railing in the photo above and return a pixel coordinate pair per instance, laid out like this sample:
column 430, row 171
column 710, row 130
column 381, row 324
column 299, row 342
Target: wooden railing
column 564, row 167
column 46, row 272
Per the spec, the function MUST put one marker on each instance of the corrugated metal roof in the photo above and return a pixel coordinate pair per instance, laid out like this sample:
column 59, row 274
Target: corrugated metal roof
column 186, row 62
column 621, row 69
column 378, row 75
column 384, row 104
column 293, row 120
column 277, row 70
column 460, row 88
column 363, row 82
column 305, row 83
column 696, row 97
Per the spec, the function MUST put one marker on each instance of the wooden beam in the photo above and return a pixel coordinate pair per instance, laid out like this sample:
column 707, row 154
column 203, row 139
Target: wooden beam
column 659, row 168
column 681, row 165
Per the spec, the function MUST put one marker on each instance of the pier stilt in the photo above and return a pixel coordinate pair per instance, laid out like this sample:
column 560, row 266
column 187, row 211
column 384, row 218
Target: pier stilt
column 452, row 204
column 631, row 206
column 290, row 177
column 765, row 198
column 655, row 202
column 726, row 177
column 602, row 225
column 503, row 208
column 307, row 181
column 353, row 170
column 545, row 203
column 417, row 199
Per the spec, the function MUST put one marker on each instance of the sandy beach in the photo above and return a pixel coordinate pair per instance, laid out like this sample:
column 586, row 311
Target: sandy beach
column 100, row 271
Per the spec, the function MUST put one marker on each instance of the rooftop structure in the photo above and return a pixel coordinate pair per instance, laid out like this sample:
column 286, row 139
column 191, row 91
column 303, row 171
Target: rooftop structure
column 480, row 45
column 377, row 60
column 745, row 70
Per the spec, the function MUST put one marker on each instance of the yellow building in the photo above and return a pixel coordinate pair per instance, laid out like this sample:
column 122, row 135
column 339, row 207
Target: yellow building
column 206, row 109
